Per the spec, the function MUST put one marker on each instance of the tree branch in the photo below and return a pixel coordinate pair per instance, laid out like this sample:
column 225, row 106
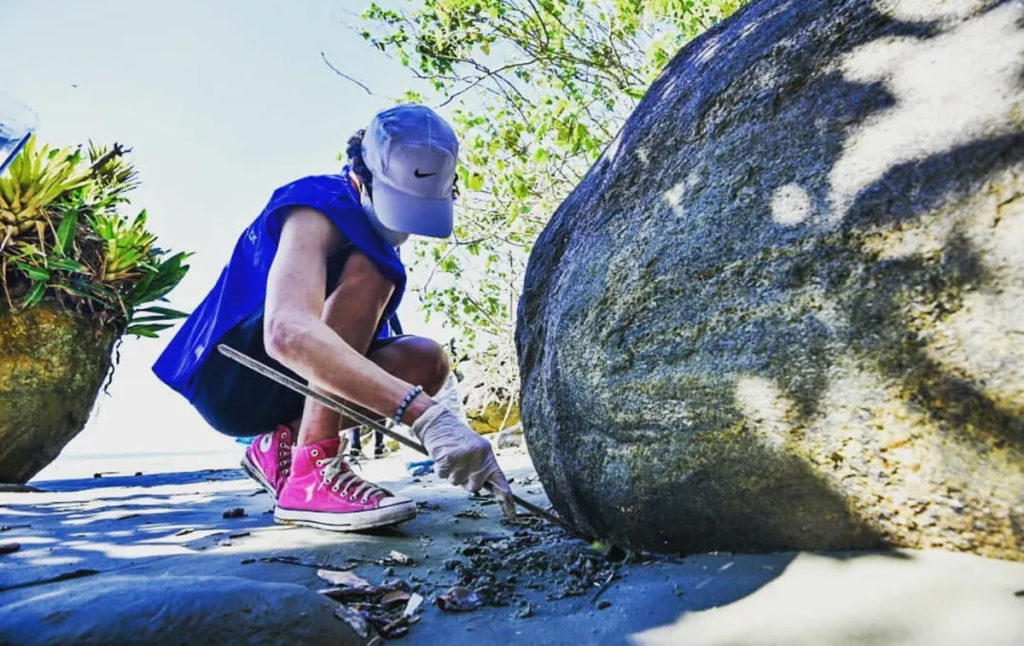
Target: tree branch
column 344, row 75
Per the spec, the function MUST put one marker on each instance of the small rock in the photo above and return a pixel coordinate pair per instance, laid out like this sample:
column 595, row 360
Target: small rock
column 458, row 599
column 604, row 603
column 9, row 548
column 237, row 512
column 389, row 571
column 453, row 564
column 401, row 558
column 525, row 610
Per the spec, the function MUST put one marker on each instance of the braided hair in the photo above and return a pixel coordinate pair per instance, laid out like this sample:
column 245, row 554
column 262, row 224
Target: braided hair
column 356, row 163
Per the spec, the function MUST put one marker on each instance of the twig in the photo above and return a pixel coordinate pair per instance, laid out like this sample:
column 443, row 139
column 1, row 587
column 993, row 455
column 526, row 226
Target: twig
column 484, row 76
column 294, row 561
column 115, row 151
column 344, row 75
column 604, row 586
column 76, row 574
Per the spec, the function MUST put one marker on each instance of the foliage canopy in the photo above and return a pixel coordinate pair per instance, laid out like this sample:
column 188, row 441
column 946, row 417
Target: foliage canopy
column 537, row 89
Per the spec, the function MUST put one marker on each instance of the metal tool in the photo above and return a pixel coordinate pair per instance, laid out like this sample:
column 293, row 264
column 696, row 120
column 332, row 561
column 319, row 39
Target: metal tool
column 340, row 407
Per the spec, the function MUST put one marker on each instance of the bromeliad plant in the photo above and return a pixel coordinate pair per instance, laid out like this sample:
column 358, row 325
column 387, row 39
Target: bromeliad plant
column 63, row 236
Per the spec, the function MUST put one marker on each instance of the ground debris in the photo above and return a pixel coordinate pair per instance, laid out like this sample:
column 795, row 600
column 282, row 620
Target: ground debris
column 388, row 609
column 419, row 468
column 394, row 558
column 184, row 530
column 401, row 558
column 604, row 586
column 458, row 599
column 294, row 560
column 7, row 528
column 532, row 556
column 343, row 578
column 471, row 513
column 237, row 512
column 9, row 548
column 356, row 619
column 525, row 610
column 413, row 605
column 395, row 596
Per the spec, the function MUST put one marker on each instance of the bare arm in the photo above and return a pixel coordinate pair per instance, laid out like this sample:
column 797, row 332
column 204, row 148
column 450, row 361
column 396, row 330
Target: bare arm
column 296, row 336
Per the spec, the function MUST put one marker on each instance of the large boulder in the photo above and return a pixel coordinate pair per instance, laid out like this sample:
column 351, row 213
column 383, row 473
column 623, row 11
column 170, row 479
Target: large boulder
column 784, row 309
column 52, row 364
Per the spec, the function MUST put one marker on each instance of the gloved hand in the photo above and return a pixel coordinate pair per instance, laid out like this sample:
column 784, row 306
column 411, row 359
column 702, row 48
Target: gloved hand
column 459, row 454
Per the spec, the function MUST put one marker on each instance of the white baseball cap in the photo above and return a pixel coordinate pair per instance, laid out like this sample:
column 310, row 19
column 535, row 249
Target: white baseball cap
column 412, row 153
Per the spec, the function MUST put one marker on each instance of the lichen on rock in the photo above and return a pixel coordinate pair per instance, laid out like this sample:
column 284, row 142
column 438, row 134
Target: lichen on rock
column 782, row 311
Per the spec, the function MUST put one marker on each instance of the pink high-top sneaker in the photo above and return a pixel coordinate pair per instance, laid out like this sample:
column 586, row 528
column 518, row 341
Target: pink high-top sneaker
column 268, row 460
column 323, row 492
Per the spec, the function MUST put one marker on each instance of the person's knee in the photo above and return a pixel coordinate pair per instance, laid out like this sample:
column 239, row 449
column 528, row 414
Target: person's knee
column 433, row 360
column 416, row 359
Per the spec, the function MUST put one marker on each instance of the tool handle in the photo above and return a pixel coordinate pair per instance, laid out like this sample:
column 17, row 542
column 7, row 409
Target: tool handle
column 319, row 397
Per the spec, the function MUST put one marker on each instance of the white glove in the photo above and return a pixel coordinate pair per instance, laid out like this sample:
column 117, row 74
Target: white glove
column 459, row 454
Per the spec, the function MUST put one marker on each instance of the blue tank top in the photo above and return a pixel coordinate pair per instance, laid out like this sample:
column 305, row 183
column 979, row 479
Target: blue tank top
column 242, row 287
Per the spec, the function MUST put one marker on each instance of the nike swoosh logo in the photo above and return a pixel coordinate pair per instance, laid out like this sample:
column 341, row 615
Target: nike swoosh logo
column 417, row 173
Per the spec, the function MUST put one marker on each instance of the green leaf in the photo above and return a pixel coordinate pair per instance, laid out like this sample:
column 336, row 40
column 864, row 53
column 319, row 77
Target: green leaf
column 34, row 273
column 165, row 311
column 66, row 264
column 35, row 294
column 66, row 232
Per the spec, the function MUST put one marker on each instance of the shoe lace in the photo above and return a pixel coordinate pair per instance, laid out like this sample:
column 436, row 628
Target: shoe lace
column 341, row 476
column 284, row 454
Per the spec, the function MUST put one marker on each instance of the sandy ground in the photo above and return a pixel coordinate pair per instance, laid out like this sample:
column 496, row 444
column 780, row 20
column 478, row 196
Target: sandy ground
column 172, row 525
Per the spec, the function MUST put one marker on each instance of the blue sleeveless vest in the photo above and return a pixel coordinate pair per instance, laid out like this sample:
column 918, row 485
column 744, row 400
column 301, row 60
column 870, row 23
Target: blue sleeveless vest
column 242, row 286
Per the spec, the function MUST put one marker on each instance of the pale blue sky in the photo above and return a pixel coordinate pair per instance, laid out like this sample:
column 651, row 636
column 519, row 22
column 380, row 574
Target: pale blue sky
column 222, row 102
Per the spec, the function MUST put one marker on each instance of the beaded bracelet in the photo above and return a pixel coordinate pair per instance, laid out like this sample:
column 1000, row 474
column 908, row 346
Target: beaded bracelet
column 400, row 413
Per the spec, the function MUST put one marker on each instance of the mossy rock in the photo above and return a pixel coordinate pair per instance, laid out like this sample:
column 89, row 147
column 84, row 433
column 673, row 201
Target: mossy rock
column 783, row 311
column 489, row 418
column 52, row 364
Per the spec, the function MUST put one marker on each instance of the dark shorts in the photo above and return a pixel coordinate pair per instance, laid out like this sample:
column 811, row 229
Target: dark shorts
column 240, row 402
